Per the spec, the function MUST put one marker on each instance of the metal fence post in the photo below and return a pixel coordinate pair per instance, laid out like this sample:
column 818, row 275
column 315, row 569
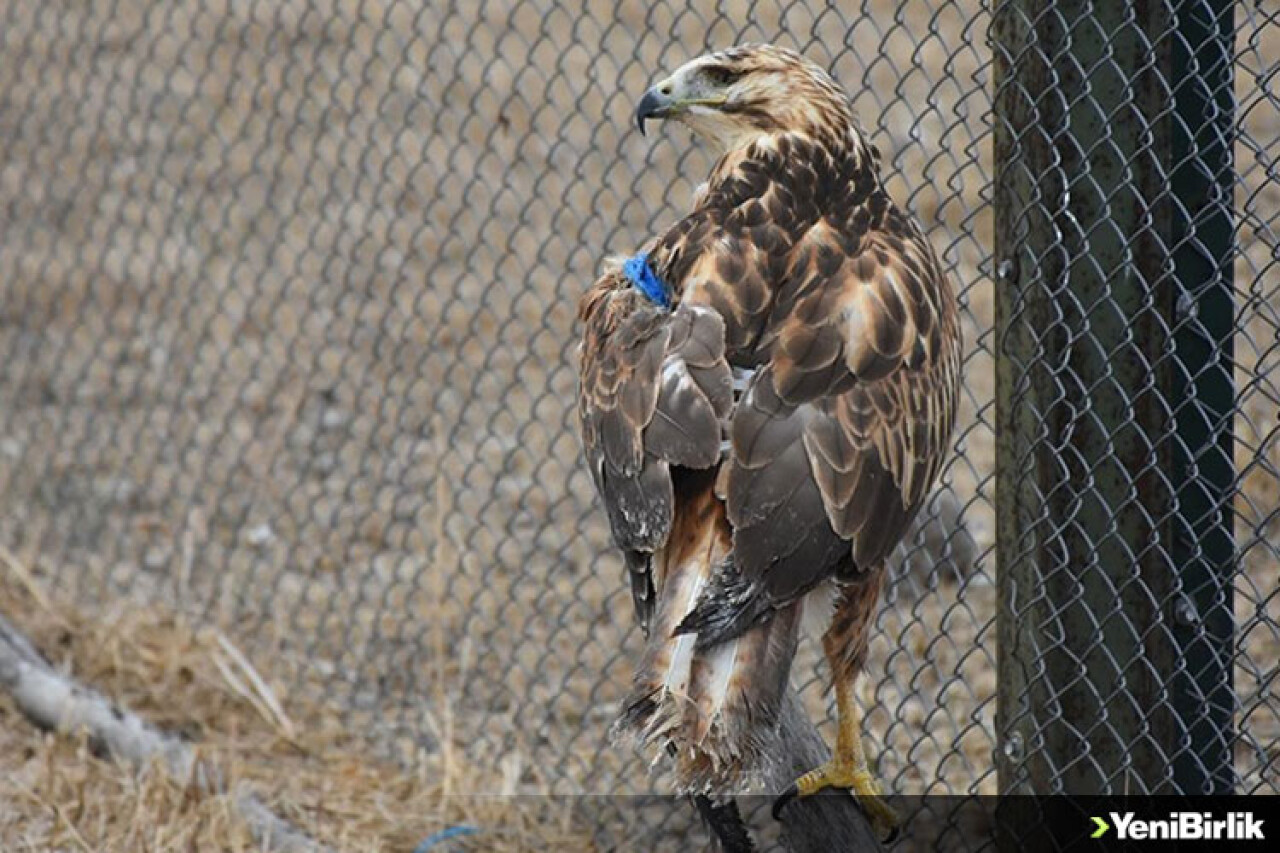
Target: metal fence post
column 1112, row 259
column 1202, row 392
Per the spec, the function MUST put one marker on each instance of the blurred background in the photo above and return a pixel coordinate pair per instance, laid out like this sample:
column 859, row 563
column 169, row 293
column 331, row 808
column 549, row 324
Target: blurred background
column 287, row 352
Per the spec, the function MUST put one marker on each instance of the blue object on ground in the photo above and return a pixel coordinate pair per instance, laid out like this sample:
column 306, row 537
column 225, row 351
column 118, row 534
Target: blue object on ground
column 444, row 835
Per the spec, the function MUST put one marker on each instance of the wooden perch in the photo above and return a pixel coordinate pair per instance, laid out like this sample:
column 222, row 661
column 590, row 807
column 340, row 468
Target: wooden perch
column 55, row 702
column 831, row 821
column 826, row 822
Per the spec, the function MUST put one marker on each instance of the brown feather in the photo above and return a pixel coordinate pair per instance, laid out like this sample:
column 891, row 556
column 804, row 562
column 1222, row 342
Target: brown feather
column 793, row 262
column 641, row 409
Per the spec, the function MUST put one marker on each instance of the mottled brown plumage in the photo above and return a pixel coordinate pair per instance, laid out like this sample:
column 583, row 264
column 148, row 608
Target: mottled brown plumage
column 795, row 264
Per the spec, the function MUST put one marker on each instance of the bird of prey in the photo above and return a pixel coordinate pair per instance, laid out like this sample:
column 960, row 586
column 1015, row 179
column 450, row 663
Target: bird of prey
column 767, row 393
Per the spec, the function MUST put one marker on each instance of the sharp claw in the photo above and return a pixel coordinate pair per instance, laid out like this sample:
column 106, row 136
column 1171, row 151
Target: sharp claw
column 786, row 797
column 884, row 823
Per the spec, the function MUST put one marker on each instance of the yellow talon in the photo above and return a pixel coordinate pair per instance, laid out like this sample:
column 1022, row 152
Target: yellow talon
column 858, row 781
column 870, row 795
column 847, row 769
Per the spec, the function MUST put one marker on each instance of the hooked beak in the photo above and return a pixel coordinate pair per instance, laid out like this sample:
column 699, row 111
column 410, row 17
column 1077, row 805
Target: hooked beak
column 654, row 104
column 675, row 96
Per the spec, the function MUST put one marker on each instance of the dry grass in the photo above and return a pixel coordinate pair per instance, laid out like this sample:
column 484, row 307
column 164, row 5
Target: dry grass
column 305, row 764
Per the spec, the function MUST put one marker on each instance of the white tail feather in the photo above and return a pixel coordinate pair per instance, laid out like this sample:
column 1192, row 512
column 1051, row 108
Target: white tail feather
column 720, row 666
column 680, row 670
column 713, row 708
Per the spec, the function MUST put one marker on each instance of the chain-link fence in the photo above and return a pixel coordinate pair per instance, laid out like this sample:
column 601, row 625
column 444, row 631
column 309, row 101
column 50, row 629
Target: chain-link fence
column 287, row 335
column 1138, row 382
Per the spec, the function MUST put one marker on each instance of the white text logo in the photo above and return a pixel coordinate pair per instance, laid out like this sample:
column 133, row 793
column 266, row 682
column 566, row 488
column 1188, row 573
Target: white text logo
column 1186, row 826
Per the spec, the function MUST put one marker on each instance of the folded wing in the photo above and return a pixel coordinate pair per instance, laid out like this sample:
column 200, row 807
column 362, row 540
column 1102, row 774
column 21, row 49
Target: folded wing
column 654, row 392
column 842, row 432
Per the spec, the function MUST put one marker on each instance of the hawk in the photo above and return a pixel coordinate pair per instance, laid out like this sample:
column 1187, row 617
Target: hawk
column 767, row 393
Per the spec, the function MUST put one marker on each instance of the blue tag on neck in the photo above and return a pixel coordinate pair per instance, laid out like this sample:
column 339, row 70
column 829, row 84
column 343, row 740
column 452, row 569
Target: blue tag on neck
column 642, row 277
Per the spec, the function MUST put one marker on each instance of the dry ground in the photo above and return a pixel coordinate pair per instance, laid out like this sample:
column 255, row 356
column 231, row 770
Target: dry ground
column 286, row 298
column 243, row 401
column 311, row 769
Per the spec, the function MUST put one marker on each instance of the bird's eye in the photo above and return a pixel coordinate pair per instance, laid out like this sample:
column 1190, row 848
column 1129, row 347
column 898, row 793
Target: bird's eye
column 719, row 76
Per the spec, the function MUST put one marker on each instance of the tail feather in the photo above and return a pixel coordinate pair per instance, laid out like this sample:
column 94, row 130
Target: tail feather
column 736, row 698
column 733, row 604
column 711, row 705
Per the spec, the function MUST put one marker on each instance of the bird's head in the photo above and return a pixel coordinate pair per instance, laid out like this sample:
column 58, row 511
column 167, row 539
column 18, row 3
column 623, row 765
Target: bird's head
column 733, row 96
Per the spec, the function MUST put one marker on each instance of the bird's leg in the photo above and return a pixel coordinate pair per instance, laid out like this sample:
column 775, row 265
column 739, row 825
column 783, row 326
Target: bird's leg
column 845, row 648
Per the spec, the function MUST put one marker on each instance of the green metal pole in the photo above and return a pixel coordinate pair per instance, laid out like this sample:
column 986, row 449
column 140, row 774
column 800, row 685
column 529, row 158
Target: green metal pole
column 1108, row 627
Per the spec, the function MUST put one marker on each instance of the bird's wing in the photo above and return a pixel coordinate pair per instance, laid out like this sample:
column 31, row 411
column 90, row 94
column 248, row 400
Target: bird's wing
column 842, row 431
column 654, row 392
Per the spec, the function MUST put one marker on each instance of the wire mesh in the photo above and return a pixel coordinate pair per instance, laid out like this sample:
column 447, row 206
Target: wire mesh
column 287, row 341
column 1257, row 421
column 1128, row 461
